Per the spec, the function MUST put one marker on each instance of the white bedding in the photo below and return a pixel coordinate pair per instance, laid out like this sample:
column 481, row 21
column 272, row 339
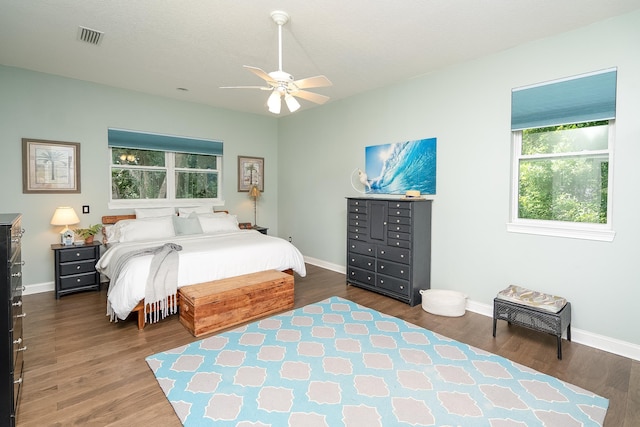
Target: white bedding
column 204, row 257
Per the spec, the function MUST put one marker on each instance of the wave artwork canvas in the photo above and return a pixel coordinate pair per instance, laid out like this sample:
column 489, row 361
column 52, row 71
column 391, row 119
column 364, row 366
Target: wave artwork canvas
column 398, row 167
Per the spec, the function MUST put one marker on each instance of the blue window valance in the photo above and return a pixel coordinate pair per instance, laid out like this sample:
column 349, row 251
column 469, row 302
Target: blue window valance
column 151, row 141
column 578, row 99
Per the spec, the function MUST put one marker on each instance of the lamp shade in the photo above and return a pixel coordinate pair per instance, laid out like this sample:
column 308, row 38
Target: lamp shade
column 64, row 215
column 274, row 102
column 292, row 103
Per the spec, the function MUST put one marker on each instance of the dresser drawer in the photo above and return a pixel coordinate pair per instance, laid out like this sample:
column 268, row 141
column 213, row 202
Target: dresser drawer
column 398, row 235
column 357, row 275
column 399, row 243
column 389, row 268
column 77, row 281
column 400, row 255
column 77, row 267
column 358, row 206
column 398, row 220
column 399, row 228
column 399, row 205
column 362, row 261
column 365, row 248
column 78, row 254
column 398, row 286
column 406, row 213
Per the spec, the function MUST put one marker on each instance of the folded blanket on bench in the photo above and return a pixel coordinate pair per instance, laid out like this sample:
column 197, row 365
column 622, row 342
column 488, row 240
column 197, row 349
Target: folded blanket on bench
column 524, row 296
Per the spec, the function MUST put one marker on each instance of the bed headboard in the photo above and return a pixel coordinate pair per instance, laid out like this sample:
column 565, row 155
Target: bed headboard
column 112, row 219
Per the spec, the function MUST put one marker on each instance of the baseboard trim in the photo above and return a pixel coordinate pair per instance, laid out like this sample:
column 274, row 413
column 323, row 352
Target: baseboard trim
column 580, row 336
column 38, row 288
column 329, row 266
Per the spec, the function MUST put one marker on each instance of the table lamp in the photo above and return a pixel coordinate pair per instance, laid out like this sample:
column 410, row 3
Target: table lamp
column 66, row 216
column 254, row 193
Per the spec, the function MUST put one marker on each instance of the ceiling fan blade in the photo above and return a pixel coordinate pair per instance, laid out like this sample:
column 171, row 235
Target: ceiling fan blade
column 309, row 82
column 247, row 87
column 310, row 96
column 260, row 73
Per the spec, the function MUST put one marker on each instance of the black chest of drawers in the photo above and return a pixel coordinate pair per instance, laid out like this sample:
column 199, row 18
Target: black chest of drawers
column 389, row 246
column 12, row 344
column 75, row 268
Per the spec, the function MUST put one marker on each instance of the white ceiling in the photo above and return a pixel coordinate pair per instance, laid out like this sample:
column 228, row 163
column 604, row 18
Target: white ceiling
column 157, row 46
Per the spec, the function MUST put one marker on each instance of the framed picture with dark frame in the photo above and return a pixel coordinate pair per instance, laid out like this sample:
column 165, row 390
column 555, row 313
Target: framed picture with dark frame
column 50, row 166
column 250, row 173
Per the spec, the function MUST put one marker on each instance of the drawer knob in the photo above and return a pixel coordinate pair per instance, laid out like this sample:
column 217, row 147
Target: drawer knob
column 401, row 286
column 382, row 267
column 369, row 249
column 369, row 264
column 401, row 271
column 21, row 315
column 78, row 280
column 77, row 253
column 18, row 341
column 18, row 274
column 77, row 267
column 22, row 348
column 17, row 304
column 382, row 252
column 397, row 243
column 18, row 381
column 381, row 281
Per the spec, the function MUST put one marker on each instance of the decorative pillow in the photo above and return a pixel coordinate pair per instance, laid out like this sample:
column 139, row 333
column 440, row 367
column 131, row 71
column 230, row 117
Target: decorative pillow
column 145, row 229
column 184, row 225
column 154, row 212
column 197, row 209
column 218, row 222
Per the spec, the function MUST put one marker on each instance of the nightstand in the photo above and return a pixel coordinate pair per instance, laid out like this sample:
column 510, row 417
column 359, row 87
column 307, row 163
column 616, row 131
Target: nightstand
column 75, row 268
column 263, row 230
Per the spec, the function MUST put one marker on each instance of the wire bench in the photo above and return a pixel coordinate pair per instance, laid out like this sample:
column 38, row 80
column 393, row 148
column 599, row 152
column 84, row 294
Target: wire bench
column 534, row 318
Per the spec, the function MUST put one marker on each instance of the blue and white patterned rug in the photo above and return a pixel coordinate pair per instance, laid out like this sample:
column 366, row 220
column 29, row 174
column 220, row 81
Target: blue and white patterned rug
column 336, row 363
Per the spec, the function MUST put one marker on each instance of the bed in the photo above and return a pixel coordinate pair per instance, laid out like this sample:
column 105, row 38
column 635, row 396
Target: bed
column 212, row 246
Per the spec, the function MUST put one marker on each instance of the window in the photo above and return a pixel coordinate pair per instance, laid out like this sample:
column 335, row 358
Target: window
column 160, row 170
column 561, row 171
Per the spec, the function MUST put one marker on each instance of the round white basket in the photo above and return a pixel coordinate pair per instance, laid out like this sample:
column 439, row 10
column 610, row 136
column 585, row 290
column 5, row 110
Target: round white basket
column 444, row 302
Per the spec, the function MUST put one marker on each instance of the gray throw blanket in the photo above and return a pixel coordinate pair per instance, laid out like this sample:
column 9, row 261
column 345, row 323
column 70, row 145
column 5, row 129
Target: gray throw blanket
column 162, row 283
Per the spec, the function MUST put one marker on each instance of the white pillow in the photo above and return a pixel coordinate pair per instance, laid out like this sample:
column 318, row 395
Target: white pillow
column 154, row 212
column 218, row 222
column 197, row 209
column 186, row 224
column 145, row 229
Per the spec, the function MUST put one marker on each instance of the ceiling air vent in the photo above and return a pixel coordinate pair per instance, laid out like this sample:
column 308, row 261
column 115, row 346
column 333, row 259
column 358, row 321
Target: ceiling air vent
column 90, row 36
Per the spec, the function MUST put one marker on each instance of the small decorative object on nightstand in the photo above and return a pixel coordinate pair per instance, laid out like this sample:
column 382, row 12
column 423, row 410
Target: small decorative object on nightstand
column 75, row 268
column 263, row 230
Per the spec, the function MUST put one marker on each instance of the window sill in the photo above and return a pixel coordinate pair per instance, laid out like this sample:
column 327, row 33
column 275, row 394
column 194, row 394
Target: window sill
column 558, row 229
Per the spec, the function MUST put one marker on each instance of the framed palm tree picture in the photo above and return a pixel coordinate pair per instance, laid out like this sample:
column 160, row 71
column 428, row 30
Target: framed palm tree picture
column 50, row 166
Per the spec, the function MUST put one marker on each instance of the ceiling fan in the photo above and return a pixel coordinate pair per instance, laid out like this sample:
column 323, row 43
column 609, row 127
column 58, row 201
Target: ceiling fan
column 281, row 84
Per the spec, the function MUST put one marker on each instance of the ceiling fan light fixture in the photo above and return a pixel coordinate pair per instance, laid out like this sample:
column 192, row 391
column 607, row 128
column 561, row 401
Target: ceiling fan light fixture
column 292, row 103
column 274, row 102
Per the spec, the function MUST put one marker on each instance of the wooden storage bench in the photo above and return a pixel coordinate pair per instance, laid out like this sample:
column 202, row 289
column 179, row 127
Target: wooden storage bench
column 211, row 306
column 534, row 318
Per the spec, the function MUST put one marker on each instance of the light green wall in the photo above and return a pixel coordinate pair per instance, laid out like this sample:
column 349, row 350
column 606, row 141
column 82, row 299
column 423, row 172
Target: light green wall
column 42, row 106
column 467, row 107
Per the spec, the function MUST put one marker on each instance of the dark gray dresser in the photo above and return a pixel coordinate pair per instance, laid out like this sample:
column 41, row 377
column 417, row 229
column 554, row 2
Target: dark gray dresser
column 389, row 246
column 12, row 345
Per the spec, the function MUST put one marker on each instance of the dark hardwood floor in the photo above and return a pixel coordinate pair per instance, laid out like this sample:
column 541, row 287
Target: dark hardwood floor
column 82, row 370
